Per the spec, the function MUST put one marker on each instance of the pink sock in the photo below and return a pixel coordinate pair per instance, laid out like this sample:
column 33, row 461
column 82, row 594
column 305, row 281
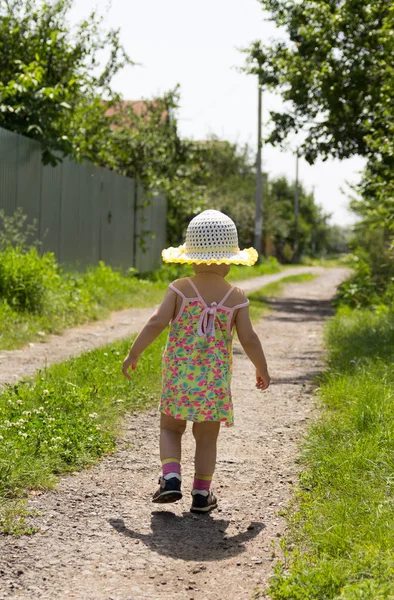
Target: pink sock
column 171, row 466
column 202, row 484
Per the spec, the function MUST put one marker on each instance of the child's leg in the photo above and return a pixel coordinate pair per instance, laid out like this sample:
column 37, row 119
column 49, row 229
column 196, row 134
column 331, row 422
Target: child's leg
column 171, row 431
column 206, row 435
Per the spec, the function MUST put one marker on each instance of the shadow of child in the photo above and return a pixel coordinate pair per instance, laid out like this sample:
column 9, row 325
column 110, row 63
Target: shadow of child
column 190, row 537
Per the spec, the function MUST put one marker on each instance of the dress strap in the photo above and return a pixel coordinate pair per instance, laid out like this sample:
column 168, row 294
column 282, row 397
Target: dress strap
column 241, row 305
column 226, row 296
column 202, row 299
column 195, row 289
column 174, row 289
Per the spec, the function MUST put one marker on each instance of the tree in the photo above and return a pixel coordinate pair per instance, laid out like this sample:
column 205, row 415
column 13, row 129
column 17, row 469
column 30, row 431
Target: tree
column 50, row 76
column 335, row 73
column 336, row 76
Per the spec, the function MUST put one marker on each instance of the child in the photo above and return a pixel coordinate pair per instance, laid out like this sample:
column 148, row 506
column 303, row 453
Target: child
column 197, row 361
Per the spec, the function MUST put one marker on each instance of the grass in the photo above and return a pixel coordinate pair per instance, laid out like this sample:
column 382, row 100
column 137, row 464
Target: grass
column 329, row 262
column 341, row 541
column 69, row 415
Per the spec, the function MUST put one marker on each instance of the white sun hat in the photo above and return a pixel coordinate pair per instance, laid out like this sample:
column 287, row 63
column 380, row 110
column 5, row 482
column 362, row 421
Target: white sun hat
column 211, row 238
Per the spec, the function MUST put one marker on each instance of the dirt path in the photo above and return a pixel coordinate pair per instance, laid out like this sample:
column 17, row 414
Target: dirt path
column 15, row 364
column 102, row 539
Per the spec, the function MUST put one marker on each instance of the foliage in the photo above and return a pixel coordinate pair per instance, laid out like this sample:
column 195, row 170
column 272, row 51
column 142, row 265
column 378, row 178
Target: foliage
column 334, row 72
column 340, row 544
column 26, row 278
column 364, row 288
column 50, row 75
column 335, row 75
column 338, row 239
column 144, row 144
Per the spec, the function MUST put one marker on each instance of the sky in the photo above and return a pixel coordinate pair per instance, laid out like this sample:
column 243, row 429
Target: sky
column 197, row 45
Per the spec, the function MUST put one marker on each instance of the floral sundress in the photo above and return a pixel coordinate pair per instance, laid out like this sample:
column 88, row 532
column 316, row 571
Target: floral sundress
column 197, row 361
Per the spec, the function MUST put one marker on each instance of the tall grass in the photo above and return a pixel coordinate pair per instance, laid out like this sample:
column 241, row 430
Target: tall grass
column 342, row 521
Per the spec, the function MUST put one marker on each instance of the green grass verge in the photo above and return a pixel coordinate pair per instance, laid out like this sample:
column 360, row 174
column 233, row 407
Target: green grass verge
column 68, row 416
column 342, row 520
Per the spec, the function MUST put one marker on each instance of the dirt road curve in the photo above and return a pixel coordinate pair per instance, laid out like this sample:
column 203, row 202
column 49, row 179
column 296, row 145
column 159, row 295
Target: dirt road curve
column 102, row 539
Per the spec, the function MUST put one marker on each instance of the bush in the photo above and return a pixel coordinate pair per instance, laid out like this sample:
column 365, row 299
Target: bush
column 365, row 289
column 25, row 278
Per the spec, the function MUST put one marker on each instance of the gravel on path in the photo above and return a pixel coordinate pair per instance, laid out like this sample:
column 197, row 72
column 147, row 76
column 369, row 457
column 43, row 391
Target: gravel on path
column 99, row 536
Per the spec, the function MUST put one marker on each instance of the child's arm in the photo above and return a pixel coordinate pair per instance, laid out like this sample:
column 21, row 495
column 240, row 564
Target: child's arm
column 251, row 344
column 150, row 331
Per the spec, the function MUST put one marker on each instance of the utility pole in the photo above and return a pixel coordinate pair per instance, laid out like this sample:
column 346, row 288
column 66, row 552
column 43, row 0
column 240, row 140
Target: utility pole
column 314, row 232
column 296, row 211
column 258, row 226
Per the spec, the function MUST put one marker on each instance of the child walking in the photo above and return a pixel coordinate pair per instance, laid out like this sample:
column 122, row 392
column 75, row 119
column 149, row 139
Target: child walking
column 197, row 361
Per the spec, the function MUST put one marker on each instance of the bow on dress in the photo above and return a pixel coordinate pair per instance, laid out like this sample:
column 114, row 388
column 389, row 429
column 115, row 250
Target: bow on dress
column 206, row 324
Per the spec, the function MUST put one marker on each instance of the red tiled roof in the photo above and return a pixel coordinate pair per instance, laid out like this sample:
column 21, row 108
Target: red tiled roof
column 139, row 106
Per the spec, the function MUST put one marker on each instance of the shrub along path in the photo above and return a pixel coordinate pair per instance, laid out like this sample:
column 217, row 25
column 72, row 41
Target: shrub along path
column 101, row 538
column 15, row 364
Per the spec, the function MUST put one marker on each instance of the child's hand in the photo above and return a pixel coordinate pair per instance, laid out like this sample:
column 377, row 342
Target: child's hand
column 130, row 361
column 262, row 381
